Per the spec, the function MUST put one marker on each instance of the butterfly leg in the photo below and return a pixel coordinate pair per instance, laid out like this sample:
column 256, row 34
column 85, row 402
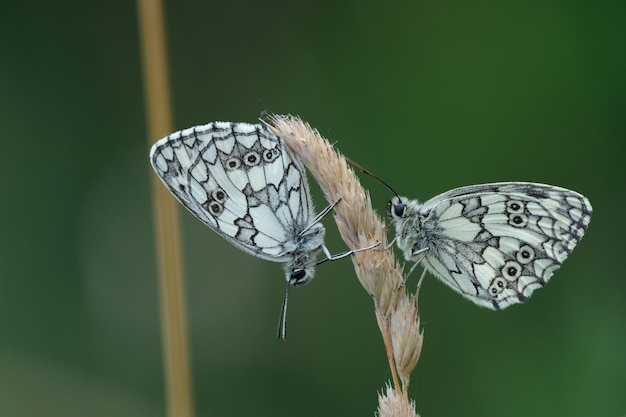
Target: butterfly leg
column 417, row 289
column 330, row 257
column 320, row 216
column 422, row 253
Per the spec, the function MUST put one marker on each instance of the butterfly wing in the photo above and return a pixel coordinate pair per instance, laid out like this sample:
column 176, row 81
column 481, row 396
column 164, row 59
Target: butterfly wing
column 496, row 243
column 241, row 181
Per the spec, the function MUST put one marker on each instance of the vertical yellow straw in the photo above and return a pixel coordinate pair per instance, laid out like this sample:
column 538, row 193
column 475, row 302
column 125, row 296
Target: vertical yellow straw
column 159, row 123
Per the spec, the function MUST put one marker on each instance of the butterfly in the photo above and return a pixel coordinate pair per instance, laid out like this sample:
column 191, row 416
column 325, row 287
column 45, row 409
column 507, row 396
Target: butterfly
column 492, row 243
column 241, row 181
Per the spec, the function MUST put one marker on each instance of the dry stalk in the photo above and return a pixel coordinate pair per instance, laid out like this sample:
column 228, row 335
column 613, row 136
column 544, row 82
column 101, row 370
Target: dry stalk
column 377, row 269
column 176, row 357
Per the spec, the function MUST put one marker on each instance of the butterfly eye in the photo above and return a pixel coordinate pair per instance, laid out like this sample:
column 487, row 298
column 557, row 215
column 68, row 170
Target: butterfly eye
column 296, row 276
column 398, row 209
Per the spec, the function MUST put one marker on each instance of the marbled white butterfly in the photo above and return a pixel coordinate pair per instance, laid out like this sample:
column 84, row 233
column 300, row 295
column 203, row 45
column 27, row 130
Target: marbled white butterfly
column 241, row 181
column 492, row 243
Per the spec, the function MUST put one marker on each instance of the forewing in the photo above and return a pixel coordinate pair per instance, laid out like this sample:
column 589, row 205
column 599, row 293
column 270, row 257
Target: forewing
column 238, row 179
column 496, row 243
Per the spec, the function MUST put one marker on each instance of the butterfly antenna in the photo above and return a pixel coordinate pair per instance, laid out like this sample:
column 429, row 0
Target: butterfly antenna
column 365, row 171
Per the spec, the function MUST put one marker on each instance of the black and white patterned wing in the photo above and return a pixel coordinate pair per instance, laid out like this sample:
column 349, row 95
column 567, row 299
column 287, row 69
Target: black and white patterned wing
column 241, row 181
column 496, row 243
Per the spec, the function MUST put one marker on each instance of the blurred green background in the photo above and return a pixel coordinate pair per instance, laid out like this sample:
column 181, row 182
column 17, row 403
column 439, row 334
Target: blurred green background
column 428, row 95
